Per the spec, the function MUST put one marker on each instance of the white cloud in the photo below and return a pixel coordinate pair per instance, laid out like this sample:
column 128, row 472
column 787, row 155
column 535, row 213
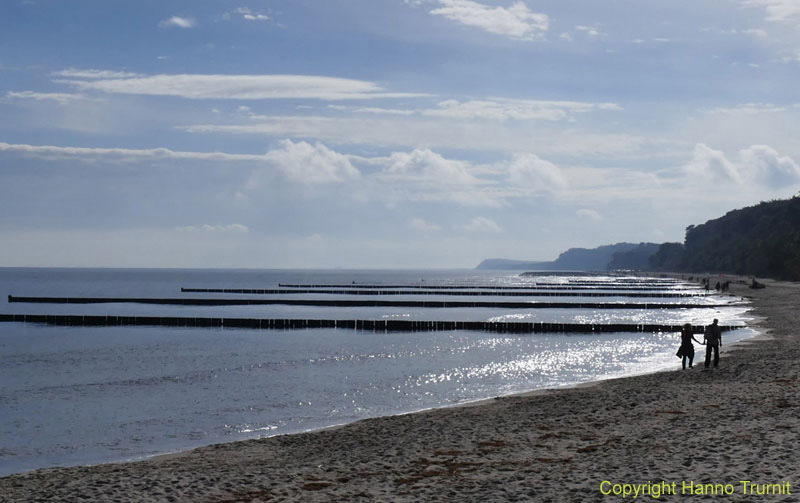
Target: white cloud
column 385, row 111
column 419, row 224
column 122, row 154
column 246, row 14
column 239, row 87
column 755, row 32
column 503, row 109
column 530, row 171
column 709, row 165
column 494, row 109
column 238, row 228
column 299, row 161
column 256, row 17
column 423, row 165
column 424, row 175
column 592, row 31
column 178, row 22
column 61, row 98
column 762, row 162
column 587, row 214
column 777, row 10
column 95, row 74
column 371, row 110
column 516, row 21
column 311, row 164
column 759, row 164
column 483, row 225
column 748, row 109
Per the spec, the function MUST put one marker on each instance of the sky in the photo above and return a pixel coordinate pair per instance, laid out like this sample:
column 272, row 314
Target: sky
column 384, row 133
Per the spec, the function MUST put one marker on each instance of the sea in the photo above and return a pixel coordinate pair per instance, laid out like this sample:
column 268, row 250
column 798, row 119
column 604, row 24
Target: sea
column 82, row 395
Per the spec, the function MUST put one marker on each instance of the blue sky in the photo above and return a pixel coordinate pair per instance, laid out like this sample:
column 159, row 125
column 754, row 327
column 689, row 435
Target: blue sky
column 384, row 133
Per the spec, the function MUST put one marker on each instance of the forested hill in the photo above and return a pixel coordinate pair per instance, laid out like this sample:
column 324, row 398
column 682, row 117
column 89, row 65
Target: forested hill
column 761, row 240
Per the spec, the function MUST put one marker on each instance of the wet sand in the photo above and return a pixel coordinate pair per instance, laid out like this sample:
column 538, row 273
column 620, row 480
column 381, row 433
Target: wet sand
column 740, row 422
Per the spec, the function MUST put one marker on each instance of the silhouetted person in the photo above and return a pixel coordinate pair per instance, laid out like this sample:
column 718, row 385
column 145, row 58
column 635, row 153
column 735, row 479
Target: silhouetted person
column 713, row 341
column 686, row 351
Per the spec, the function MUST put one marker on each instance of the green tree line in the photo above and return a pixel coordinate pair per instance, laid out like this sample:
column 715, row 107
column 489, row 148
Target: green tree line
column 761, row 240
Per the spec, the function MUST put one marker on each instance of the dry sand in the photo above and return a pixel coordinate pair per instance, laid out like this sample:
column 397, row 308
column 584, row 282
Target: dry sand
column 738, row 422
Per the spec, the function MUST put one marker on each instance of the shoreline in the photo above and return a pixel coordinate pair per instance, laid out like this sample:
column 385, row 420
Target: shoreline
column 550, row 444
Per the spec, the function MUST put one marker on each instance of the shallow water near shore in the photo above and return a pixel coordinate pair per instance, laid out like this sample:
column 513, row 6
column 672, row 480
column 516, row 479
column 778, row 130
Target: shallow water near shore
column 85, row 395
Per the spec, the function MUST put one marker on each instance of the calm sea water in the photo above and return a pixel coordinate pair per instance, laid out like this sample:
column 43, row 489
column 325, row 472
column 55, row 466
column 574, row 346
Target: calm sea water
column 86, row 395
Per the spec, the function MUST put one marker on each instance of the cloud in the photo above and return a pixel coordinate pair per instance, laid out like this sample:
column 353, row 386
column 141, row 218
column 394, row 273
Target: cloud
column 748, row 109
column 418, row 175
column 246, row 14
column 494, row 109
column 95, row 74
column 516, row 21
column 60, row 98
column 755, row 32
column 178, row 22
column 592, row 31
column 530, row 171
column 299, row 161
column 759, row 164
column 591, row 215
column 239, row 87
column 424, row 165
column 122, row 154
column 419, row 224
column 762, row 162
column 483, row 225
column 311, row 164
column 372, row 110
column 503, row 109
column 777, row 10
column 424, row 175
column 709, row 165
column 237, row 228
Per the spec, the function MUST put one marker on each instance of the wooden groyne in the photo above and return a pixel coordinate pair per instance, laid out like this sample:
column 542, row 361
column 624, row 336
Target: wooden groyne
column 548, row 286
column 462, row 293
column 367, row 325
column 358, row 303
column 601, row 277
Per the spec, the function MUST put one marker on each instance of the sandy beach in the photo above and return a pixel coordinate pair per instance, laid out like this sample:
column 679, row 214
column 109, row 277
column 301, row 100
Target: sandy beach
column 651, row 435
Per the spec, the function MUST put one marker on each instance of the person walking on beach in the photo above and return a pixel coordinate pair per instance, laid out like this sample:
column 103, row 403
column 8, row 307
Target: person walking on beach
column 713, row 341
column 686, row 351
